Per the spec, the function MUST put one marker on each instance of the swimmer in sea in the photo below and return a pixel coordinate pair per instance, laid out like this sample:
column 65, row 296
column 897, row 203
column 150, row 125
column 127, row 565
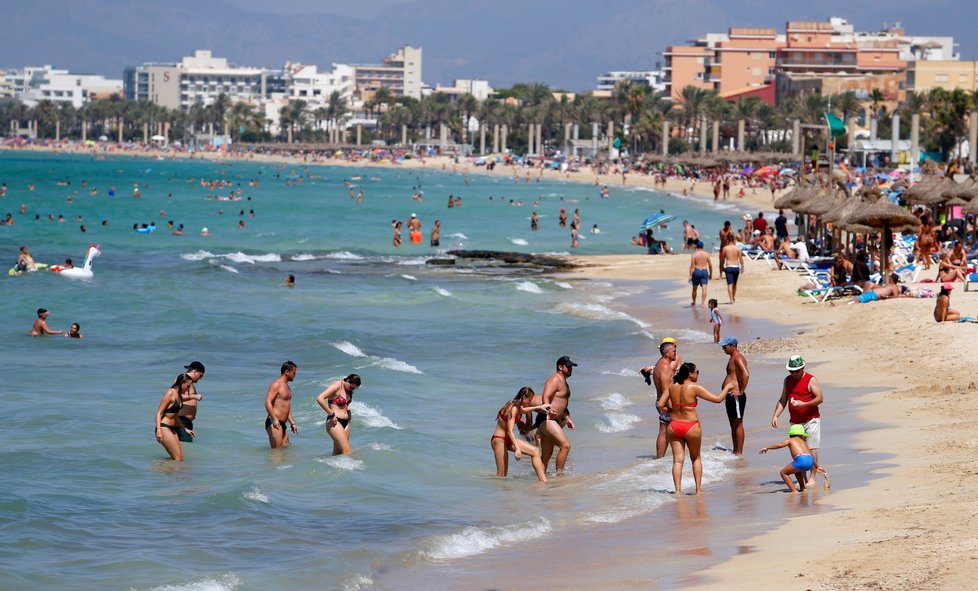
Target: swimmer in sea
column 41, row 324
column 165, row 421
column 278, row 406
column 504, row 440
column 336, row 400
column 74, row 332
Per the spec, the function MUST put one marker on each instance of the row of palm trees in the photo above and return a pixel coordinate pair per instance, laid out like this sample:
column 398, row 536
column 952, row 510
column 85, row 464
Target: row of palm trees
column 636, row 112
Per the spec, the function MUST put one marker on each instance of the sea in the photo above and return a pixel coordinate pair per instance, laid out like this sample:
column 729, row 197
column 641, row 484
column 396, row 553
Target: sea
column 89, row 499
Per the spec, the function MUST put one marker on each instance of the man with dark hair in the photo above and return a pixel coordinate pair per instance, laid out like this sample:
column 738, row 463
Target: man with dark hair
column 556, row 394
column 736, row 400
column 278, row 405
column 41, row 324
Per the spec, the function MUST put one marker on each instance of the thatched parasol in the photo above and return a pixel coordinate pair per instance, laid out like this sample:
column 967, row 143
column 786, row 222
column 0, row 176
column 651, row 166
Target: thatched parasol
column 823, row 202
column 956, row 201
column 886, row 215
column 796, row 195
column 928, row 191
column 971, row 208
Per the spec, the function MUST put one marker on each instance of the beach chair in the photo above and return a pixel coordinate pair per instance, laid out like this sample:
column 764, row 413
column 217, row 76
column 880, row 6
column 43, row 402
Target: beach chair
column 969, row 279
column 908, row 273
column 793, row 264
column 826, row 290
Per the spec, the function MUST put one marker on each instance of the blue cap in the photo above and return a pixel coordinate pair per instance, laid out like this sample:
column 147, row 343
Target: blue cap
column 728, row 341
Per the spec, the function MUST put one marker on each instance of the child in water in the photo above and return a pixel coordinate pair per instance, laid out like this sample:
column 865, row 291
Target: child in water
column 715, row 319
column 802, row 458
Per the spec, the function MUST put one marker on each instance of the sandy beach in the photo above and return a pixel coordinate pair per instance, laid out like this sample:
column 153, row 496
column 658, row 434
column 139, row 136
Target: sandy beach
column 911, row 529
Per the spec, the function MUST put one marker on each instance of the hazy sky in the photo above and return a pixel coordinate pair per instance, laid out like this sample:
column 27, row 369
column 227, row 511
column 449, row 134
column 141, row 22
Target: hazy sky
column 566, row 44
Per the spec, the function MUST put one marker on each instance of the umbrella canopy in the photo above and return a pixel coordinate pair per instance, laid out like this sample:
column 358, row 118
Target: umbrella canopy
column 653, row 221
column 918, row 191
column 883, row 213
column 971, row 208
column 820, row 204
column 956, row 201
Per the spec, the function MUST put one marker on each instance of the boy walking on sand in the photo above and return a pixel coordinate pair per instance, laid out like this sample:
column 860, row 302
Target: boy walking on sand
column 802, row 459
column 715, row 319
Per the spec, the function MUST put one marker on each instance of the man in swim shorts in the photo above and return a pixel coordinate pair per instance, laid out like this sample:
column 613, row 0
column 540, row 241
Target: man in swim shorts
column 736, row 401
column 733, row 266
column 556, row 394
column 660, row 375
column 700, row 271
column 188, row 412
column 890, row 290
column 802, row 395
column 278, row 405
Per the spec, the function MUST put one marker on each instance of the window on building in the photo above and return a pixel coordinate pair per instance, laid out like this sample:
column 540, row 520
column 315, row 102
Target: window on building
column 755, row 71
column 941, row 78
column 771, row 55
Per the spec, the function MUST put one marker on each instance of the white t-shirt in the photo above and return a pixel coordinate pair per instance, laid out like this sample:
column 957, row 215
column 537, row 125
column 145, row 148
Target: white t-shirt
column 802, row 249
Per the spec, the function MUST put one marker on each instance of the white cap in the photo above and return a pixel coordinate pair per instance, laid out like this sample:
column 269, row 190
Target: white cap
column 203, row 229
column 757, row 232
column 414, row 216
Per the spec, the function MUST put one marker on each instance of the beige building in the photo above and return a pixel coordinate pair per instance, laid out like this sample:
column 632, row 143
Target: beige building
column 949, row 74
column 400, row 73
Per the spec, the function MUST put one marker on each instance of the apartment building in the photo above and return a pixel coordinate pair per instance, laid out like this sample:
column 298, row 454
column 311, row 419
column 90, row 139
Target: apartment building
column 924, row 76
column 400, row 72
column 34, row 84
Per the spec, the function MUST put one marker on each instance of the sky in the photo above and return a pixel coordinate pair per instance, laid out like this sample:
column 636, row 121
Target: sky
column 564, row 44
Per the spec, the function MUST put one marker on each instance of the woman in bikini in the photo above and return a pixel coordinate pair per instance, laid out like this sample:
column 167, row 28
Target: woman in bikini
column 336, row 400
column 925, row 242
column 947, row 270
column 504, row 439
column 165, row 421
column 684, row 431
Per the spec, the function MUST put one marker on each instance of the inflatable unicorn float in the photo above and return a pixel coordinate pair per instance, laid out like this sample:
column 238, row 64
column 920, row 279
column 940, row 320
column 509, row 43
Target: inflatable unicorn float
column 83, row 272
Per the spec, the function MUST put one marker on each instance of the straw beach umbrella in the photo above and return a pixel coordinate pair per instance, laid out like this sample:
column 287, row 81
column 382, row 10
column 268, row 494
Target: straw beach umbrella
column 886, row 215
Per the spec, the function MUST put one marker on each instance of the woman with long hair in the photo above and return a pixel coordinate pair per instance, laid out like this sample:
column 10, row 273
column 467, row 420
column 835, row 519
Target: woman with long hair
column 165, row 421
column 504, row 440
column 684, row 431
column 336, row 400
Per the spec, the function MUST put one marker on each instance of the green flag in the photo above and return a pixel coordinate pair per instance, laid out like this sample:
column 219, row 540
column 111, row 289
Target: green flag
column 836, row 125
column 616, row 143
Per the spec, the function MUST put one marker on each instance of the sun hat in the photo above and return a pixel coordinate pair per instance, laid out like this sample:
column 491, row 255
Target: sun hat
column 728, row 341
column 795, row 362
column 797, row 430
column 747, row 217
column 757, row 232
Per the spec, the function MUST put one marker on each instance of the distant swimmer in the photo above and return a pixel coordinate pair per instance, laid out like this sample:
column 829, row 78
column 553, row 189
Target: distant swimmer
column 534, row 221
column 41, row 325
column 504, row 439
column 165, row 421
column 74, row 332
column 336, row 400
column 436, row 234
column 278, row 406
column 289, row 281
column 414, row 229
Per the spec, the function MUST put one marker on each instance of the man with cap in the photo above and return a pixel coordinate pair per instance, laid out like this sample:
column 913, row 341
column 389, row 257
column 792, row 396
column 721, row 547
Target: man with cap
column 801, row 395
column 40, row 327
column 700, row 271
column 660, row 375
column 188, row 412
column 556, row 394
column 736, row 401
column 414, row 229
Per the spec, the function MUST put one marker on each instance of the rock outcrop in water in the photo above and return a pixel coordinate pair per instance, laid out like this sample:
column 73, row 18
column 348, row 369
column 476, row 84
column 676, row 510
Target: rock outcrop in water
column 498, row 257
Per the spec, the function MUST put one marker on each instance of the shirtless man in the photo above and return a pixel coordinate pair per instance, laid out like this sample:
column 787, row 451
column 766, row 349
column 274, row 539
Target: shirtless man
column 556, row 394
column 700, row 271
column 41, row 325
column 892, row 289
column 733, row 261
column 278, row 405
column 414, row 225
column 736, row 400
column 660, row 375
column 188, row 412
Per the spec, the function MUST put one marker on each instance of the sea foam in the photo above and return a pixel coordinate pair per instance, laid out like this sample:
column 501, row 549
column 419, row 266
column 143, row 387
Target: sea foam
column 529, row 287
column 225, row 582
column 472, row 541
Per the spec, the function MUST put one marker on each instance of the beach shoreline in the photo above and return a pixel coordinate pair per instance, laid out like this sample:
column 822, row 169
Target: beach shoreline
column 911, row 514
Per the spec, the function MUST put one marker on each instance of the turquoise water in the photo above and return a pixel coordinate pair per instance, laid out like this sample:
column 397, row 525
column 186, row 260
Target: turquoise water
column 88, row 500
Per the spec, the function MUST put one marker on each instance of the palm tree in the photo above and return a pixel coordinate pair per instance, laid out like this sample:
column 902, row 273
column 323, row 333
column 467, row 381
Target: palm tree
column 239, row 118
column 335, row 108
column 693, row 103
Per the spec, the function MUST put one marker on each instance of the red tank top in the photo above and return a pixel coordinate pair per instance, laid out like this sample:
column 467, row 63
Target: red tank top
column 799, row 392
